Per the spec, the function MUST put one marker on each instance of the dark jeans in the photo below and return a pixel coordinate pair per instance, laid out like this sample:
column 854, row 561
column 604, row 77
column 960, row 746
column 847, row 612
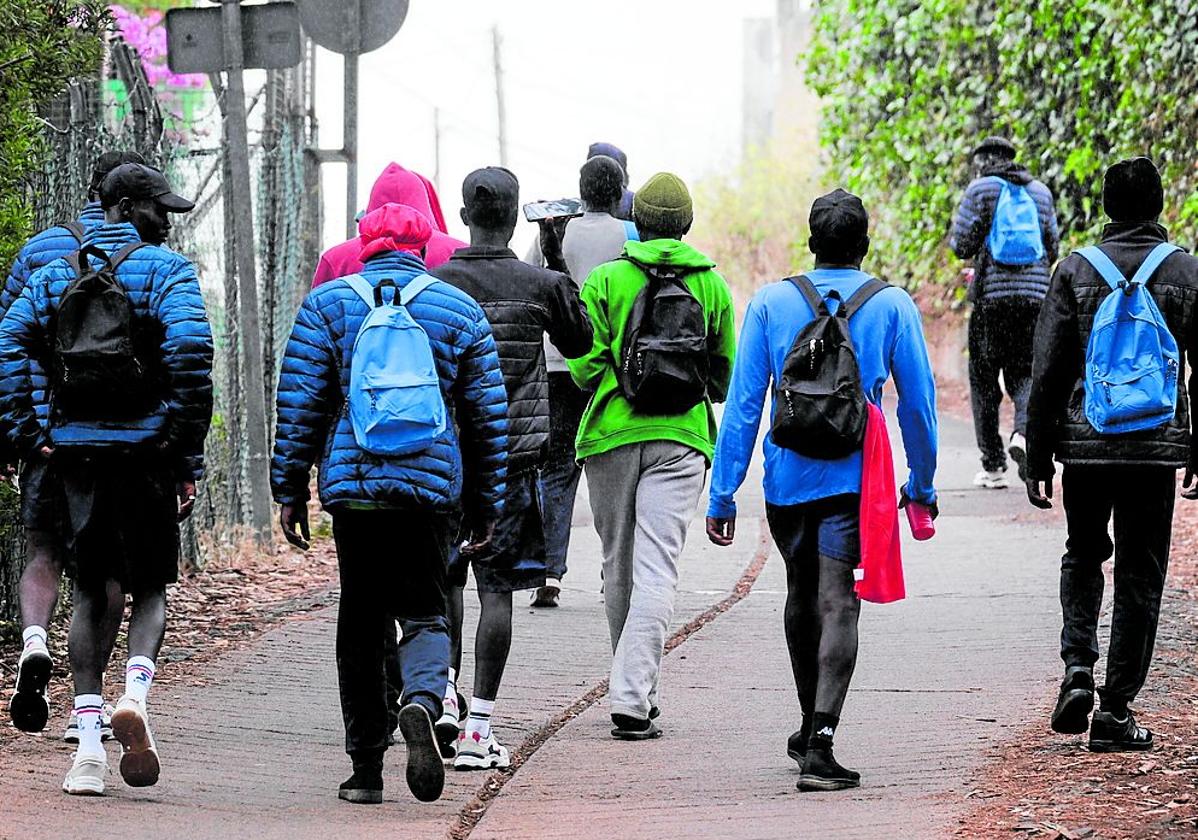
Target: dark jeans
column 1000, row 341
column 381, row 584
column 559, row 477
column 1141, row 500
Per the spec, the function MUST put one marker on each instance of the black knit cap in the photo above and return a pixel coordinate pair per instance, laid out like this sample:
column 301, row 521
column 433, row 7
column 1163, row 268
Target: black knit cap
column 838, row 221
column 1132, row 191
column 107, row 162
column 1000, row 146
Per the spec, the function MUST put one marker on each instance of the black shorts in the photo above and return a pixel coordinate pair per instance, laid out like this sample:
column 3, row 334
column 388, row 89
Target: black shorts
column 42, row 505
column 121, row 518
column 516, row 560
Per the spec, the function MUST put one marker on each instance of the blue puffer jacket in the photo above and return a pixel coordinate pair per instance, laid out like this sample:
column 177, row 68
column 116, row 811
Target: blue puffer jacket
column 313, row 423
column 168, row 310
column 44, row 248
column 971, row 227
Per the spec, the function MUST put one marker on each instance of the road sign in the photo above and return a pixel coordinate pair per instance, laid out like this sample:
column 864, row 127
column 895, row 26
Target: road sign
column 270, row 38
column 331, row 23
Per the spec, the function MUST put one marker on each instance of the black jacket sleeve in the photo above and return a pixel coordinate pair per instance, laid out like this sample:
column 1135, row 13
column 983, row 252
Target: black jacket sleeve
column 569, row 324
column 1057, row 363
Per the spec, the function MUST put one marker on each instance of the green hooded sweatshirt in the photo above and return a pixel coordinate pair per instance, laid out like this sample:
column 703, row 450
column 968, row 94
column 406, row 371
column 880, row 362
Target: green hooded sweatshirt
column 609, row 293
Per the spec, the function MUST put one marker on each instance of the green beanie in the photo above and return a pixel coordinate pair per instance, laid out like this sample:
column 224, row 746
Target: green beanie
column 663, row 205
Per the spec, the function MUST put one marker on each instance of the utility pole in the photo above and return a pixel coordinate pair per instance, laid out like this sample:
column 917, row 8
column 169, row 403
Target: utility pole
column 437, row 148
column 237, row 146
column 496, row 43
column 353, row 31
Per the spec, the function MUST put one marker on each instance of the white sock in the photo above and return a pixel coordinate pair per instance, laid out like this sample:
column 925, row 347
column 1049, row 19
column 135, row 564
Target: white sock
column 31, row 632
column 139, row 674
column 88, row 708
column 479, row 721
column 450, row 697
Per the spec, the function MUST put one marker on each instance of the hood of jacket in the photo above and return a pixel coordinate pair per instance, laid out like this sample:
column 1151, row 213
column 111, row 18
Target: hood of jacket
column 397, row 185
column 1015, row 173
column 667, row 252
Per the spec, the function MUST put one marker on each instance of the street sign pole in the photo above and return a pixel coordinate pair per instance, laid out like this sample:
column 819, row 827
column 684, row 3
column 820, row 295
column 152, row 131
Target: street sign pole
column 253, row 378
column 353, row 31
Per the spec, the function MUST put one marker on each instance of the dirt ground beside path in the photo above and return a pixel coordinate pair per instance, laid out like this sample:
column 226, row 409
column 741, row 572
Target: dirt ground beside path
column 1047, row 785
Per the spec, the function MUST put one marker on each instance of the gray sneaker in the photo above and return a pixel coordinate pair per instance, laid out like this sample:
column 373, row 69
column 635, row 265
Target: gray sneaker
column 71, row 734
column 86, row 776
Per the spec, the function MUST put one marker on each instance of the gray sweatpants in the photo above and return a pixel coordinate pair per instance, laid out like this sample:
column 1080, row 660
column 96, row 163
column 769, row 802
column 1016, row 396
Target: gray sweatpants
column 643, row 497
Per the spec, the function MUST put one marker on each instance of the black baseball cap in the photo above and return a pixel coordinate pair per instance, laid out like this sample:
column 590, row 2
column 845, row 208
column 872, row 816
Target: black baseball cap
column 109, row 161
column 838, row 217
column 139, row 181
column 492, row 184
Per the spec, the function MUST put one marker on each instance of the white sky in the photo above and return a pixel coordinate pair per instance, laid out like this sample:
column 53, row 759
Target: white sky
column 659, row 78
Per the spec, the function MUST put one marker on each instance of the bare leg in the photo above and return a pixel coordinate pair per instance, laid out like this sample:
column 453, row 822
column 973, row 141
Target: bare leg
column 492, row 643
column 39, row 581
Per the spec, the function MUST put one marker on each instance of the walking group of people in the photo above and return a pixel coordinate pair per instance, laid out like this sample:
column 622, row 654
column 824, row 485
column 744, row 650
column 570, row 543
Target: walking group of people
column 450, row 395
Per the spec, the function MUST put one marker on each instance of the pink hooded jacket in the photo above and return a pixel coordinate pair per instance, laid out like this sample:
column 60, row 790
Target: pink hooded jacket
column 395, row 186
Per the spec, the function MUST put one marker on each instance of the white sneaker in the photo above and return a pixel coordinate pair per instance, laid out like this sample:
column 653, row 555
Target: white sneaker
column 139, row 756
column 29, row 707
column 447, row 726
column 71, row 734
column 475, row 753
column 992, row 480
column 1017, row 449
column 86, row 776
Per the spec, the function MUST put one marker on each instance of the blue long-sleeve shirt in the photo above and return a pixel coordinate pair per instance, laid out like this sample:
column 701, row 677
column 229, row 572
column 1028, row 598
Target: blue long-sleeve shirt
column 888, row 336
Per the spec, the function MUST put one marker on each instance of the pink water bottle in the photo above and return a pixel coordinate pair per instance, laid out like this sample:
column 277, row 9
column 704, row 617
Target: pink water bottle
column 920, row 518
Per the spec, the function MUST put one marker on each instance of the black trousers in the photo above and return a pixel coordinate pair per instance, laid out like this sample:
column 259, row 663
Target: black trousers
column 1000, row 342
column 393, row 568
column 1140, row 499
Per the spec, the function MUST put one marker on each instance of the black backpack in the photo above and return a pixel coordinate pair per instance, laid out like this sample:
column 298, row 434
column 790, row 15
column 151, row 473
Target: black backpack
column 96, row 371
column 820, row 409
column 665, row 364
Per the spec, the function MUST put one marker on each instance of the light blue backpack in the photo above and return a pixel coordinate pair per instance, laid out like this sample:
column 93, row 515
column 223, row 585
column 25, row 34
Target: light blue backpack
column 1015, row 237
column 1131, row 359
column 395, row 401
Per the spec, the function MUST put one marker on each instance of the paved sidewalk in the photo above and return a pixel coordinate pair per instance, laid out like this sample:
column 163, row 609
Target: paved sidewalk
column 257, row 752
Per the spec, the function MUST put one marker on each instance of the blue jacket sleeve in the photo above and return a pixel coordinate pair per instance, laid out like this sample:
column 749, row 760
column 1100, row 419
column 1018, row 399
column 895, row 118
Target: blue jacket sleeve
column 916, row 387
column 21, row 335
column 480, row 406
column 187, row 355
column 18, row 276
column 970, row 223
column 308, row 400
column 742, row 413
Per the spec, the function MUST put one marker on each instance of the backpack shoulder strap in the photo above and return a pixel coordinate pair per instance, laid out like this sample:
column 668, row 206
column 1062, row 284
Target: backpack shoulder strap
column 75, row 229
column 125, row 251
column 860, row 297
column 1103, row 265
column 1157, row 256
column 362, row 286
column 811, row 294
column 415, row 286
column 630, row 232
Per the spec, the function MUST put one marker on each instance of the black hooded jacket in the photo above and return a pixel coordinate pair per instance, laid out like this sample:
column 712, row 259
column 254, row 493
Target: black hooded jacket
column 522, row 303
column 1056, row 423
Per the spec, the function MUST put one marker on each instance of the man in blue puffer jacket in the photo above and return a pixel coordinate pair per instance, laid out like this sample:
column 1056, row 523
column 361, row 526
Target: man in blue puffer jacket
column 127, row 468
column 45, row 555
column 1006, row 302
column 394, row 517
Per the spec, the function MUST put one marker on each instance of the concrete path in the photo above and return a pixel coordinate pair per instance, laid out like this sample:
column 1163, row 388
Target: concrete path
column 257, row 750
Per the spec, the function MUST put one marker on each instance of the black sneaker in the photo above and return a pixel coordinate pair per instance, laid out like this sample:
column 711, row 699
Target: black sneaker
column 29, row 707
column 629, row 728
column 796, row 744
column 1075, row 702
column 821, row 772
column 426, row 772
column 1113, row 734
column 365, row 786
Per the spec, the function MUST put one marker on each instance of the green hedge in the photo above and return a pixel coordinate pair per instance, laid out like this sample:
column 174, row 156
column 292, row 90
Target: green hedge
column 909, row 87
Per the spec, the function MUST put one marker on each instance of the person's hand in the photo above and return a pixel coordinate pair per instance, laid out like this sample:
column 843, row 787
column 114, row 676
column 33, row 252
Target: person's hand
column 293, row 518
column 1189, row 485
column 1039, row 493
column 933, row 508
column 721, row 530
column 186, row 491
column 45, row 451
column 480, row 540
column 551, row 243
